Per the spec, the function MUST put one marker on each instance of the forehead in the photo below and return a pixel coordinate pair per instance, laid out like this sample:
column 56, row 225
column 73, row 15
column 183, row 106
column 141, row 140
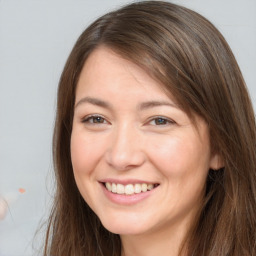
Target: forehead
column 107, row 72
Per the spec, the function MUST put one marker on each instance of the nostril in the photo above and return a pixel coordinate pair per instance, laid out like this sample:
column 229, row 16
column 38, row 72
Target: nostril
column 124, row 161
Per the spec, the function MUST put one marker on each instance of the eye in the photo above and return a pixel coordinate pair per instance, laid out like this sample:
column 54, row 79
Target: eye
column 161, row 121
column 94, row 119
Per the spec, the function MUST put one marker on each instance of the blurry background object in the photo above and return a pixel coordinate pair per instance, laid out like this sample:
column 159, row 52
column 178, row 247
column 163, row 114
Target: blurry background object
column 3, row 208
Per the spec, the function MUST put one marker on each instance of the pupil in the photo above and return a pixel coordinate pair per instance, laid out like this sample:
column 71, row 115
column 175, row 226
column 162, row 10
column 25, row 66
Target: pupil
column 160, row 121
column 98, row 120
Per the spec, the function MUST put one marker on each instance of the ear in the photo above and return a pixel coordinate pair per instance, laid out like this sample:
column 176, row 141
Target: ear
column 216, row 162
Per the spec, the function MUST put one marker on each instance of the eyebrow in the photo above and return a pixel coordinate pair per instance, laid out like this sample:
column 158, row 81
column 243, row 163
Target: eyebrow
column 142, row 106
column 93, row 101
column 152, row 104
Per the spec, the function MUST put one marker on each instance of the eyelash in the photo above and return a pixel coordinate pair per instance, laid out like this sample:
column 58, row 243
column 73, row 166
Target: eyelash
column 92, row 119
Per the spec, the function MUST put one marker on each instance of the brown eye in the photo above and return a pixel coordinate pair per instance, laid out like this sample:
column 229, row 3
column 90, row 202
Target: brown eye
column 94, row 120
column 160, row 121
column 97, row 119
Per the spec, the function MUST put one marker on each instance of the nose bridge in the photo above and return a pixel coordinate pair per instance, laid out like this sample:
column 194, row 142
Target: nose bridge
column 125, row 149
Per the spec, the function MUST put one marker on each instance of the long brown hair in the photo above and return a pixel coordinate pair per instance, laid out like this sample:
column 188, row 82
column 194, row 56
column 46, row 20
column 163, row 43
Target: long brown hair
column 187, row 54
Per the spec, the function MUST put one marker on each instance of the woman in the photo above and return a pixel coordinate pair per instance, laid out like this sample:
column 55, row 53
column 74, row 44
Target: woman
column 154, row 143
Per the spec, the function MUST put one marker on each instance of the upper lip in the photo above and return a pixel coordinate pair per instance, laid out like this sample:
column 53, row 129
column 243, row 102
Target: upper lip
column 127, row 181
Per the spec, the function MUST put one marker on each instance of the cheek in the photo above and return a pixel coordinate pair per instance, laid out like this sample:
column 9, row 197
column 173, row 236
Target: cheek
column 85, row 153
column 179, row 155
column 167, row 153
column 184, row 162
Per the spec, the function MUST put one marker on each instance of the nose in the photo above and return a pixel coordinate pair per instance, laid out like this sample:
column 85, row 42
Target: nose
column 126, row 149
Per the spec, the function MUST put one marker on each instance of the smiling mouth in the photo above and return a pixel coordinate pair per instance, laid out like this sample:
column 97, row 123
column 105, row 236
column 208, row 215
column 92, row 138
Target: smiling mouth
column 129, row 189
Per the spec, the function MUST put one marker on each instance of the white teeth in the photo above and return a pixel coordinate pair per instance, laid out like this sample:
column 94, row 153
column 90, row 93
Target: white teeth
column 108, row 186
column 113, row 188
column 119, row 189
column 144, row 187
column 129, row 189
column 150, row 186
column 137, row 188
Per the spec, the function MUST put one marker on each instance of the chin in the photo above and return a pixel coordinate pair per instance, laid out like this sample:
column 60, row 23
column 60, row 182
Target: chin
column 124, row 226
column 124, row 230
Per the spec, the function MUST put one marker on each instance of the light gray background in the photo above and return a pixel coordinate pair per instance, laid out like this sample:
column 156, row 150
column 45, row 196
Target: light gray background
column 35, row 40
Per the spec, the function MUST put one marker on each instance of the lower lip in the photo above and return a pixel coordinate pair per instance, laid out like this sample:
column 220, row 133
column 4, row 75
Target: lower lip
column 127, row 199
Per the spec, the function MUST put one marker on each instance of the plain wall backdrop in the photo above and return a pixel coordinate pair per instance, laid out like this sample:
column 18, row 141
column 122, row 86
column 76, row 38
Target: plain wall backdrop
column 35, row 40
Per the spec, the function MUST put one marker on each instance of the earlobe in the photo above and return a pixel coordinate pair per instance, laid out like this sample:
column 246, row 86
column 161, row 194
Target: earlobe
column 216, row 162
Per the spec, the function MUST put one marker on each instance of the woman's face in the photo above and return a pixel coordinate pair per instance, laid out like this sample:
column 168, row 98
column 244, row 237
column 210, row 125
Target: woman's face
column 138, row 161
